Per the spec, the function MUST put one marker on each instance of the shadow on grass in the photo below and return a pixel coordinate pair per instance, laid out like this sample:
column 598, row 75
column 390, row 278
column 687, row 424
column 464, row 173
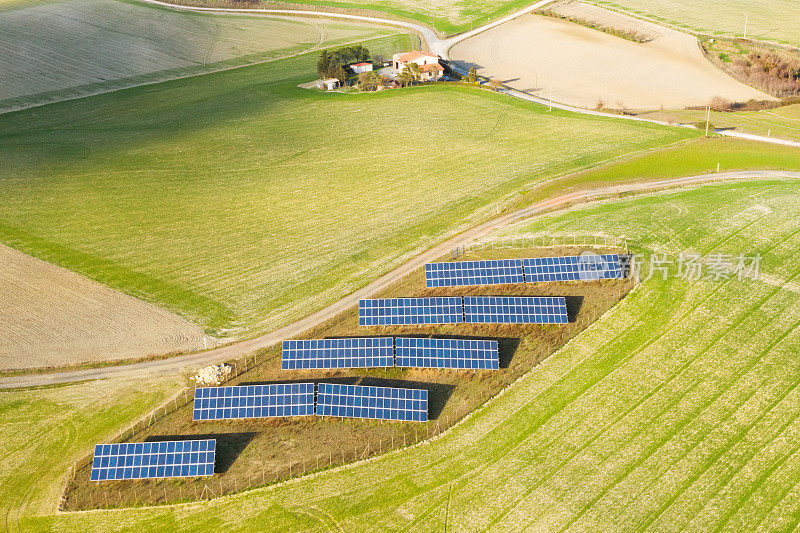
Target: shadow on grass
column 574, row 304
column 229, row 446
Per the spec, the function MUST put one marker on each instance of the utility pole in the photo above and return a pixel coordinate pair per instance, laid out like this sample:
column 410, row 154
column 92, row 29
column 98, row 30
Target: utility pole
column 745, row 26
column 708, row 118
column 550, row 100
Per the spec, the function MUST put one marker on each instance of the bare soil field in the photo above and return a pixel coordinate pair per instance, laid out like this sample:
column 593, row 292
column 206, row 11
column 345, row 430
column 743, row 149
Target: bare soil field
column 261, row 451
column 78, row 47
column 589, row 68
column 53, row 317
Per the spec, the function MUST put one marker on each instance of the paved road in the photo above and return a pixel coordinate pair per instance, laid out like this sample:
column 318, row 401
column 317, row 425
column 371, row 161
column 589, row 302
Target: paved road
column 239, row 349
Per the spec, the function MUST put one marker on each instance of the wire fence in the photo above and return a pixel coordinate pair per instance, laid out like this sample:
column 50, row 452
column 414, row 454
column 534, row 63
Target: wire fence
column 172, row 491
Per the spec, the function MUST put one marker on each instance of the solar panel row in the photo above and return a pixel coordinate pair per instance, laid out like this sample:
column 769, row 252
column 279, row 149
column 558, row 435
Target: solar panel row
column 254, row 401
column 589, row 267
column 474, row 273
column 515, row 310
column 586, row 267
column 296, row 395
column 382, row 403
column 411, row 352
column 182, row 458
column 404, row 311
column 470, row 309
column 447, row 353
column 365, row 352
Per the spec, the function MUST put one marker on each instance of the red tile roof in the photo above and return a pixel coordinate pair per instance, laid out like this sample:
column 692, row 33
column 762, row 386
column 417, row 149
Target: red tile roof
column 414, row 54
column 360, row 64
column 432, row 66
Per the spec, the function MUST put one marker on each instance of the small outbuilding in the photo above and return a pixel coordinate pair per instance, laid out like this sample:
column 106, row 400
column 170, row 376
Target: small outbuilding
column 358, row 68
column 329, row 84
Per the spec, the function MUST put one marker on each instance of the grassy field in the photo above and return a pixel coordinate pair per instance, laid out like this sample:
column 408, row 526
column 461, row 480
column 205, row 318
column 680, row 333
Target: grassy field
column 58, row 49
column 241, row 201
column 447, row 16
column 782, row 122
column 678, row 410
column 699, row 157
column 43, row 431
column 255, row 452
column 768, row 20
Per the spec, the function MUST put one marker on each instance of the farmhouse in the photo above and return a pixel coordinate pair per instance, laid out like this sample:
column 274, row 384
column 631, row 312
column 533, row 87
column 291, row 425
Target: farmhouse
column 358, row 68
column 428, row 63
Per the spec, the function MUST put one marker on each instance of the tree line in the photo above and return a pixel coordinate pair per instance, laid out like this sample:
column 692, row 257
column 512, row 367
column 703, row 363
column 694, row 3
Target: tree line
column 331, row 64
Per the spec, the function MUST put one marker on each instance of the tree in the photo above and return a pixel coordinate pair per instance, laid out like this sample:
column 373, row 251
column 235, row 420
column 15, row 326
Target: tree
column 369, row 81
column 331, row 64
column 340, row 74
column 323, row 64
column 406, row 77
column 415, row 70
column 472, row 77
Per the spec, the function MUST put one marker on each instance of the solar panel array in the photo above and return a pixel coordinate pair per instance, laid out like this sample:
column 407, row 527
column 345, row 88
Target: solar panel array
column 363, row 352
column 382, row 403
column 587, row 267
column 447, row 353
column 140, row 460
column 254, row 401
column 451, row 274
column 573, row 268
column 515, row 310
column 404, row 311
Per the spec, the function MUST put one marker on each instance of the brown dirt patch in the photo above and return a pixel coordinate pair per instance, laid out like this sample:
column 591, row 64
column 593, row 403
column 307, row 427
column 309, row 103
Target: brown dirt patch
column 52, row 317
column 585, row 66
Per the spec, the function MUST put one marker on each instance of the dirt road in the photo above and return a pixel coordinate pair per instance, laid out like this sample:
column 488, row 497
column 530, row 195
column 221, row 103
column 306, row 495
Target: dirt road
column 241, row 348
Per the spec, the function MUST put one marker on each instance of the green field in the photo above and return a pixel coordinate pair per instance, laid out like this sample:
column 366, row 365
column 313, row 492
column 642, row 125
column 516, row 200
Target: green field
column 242, row 202
column 699, row 157
column 59, row 49
column 43, row 431
column 768, row 20
column 782, row 122
column 677, row 410
column 447, row 16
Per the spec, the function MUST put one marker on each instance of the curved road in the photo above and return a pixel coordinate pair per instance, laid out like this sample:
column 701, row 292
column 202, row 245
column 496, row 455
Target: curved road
column 245, row 347
column 441, row 47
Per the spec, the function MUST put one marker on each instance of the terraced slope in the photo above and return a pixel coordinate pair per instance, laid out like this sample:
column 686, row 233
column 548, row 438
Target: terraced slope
column 241, row 201
column 678, row 410
column 67, row 48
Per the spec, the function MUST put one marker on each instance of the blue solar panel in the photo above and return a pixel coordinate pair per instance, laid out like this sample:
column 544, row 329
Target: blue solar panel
column 587, row 267
column 139, row 460
column 384, row 403
column 400, row 311
column 447, row 353
column 254, row 401
column 361, row 352
column 515, row 309
column 458, row 273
